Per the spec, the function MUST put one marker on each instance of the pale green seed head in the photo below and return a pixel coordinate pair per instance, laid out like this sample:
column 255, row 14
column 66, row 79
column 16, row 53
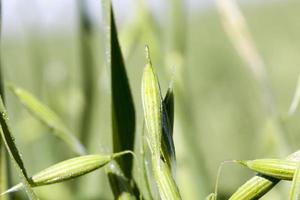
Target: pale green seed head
column 152, row 109
column 277, row 168
column 70, row 169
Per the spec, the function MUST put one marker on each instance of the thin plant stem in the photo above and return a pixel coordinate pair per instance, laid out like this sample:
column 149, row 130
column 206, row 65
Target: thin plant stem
column 87, row 71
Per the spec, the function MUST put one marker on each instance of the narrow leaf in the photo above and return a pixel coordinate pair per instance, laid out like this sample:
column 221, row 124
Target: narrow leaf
column 295, row 187
column 123, row 112
column 14, row 154
column 48, row 117
column 4, row 176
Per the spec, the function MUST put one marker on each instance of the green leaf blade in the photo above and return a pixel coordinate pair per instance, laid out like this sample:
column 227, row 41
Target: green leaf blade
column 48, row 117
column 123, row 111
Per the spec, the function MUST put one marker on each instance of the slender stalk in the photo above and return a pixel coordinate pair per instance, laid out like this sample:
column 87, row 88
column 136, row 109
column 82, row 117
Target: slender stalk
column 5, row 179
column 87, row 71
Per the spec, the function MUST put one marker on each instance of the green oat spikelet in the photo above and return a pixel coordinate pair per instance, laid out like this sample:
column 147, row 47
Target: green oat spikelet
column 276, row 168
column 259, row 184
column 68, row 169
column 153, row 114
column 152, row 107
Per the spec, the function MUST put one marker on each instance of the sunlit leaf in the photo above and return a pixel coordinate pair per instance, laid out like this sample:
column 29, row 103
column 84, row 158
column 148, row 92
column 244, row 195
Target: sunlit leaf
column 48, row 117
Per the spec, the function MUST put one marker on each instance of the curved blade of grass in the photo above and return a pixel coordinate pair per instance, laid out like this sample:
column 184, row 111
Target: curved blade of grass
column 296, row 99
column 48, row 117
column 295, row 187
column 69, row 169
column 14, row 154
column 259, row 185
column 119, row 183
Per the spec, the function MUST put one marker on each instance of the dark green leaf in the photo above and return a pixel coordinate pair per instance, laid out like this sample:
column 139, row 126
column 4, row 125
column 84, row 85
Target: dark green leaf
column 123, row 113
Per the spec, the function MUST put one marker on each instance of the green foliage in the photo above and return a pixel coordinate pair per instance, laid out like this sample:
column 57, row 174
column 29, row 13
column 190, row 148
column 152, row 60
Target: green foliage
column 48, row 117
column 123, row 114
column 214, row 108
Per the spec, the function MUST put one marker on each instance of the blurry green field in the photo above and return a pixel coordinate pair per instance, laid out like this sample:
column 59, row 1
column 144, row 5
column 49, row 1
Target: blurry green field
column 231, row 122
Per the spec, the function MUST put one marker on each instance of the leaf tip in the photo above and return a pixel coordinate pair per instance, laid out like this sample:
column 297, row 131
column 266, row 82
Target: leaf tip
column 147, row 52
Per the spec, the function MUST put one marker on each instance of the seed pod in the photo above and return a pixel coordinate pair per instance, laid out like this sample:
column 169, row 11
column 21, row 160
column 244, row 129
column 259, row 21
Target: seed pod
column 152, row 105
column 68, row 169
column 276, row 168
column 152, row 108
column 254, row 188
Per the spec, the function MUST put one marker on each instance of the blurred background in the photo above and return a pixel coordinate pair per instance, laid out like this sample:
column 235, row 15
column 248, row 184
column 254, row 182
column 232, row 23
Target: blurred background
column 224, row 108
